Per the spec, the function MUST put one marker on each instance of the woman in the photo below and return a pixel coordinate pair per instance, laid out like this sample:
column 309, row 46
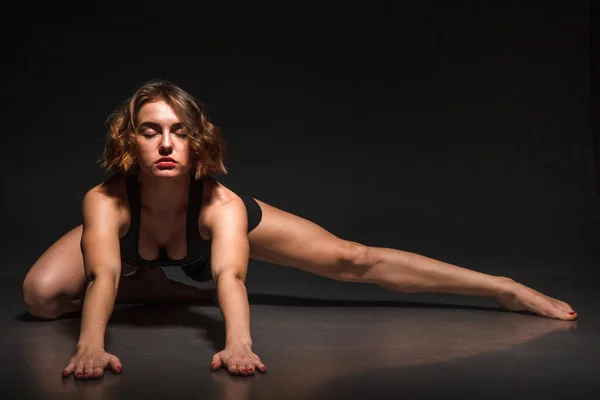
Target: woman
column 163, row 207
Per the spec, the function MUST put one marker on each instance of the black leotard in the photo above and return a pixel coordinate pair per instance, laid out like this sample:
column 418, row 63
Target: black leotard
column 196, row 263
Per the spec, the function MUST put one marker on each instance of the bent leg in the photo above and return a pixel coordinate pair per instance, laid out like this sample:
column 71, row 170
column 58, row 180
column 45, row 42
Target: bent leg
column 56, row 283
column 286, row 239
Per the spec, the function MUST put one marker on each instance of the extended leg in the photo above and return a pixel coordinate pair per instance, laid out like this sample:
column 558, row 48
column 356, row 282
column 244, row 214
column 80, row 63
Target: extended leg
column 408, row 272
column 285, row 239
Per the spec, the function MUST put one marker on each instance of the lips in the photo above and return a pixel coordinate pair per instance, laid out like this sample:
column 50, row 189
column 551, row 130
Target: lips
column 165, row 159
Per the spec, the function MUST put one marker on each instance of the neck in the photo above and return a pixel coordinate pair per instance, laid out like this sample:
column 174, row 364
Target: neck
column 164, row 196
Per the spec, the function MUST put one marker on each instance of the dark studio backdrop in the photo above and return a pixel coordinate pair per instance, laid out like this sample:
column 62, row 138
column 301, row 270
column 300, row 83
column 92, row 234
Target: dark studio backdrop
column 458, row 130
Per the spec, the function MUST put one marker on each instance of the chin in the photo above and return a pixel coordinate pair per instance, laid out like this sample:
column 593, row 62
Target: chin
column 168, row 173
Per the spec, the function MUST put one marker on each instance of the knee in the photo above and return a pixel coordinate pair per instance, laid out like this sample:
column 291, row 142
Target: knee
column 40, row 298
column 357, row 261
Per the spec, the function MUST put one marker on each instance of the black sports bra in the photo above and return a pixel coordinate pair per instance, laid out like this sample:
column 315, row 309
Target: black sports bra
column 197, row 248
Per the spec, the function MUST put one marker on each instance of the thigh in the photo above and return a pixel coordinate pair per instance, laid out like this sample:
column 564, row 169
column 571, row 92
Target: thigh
column 286, row 239
column 59, row 270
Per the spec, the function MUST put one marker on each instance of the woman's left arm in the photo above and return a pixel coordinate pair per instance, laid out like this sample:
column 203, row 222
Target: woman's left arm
column 229, row 264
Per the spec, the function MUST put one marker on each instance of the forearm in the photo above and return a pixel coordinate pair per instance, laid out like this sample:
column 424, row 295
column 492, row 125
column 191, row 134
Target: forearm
column 98, row 305
column 233, row 301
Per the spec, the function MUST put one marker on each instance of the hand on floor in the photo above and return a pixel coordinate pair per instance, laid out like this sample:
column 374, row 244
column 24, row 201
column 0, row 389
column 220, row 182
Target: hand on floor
column 90, row 363
column 239, row 360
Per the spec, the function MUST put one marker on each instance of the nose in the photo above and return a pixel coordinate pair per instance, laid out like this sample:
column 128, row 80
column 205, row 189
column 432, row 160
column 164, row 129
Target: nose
column 165, row 145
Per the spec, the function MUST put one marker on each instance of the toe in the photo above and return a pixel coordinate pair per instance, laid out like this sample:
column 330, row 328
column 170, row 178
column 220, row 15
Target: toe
column 567, row 307
column 565, row 311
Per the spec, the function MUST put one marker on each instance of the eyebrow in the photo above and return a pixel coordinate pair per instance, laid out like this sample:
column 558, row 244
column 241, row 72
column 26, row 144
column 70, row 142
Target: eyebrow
column 155, row 126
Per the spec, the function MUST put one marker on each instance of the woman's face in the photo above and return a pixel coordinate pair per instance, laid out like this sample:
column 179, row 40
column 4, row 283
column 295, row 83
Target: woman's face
column 163, row 144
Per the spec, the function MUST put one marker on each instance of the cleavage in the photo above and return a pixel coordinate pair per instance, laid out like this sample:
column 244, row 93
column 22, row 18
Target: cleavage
column 167, row 233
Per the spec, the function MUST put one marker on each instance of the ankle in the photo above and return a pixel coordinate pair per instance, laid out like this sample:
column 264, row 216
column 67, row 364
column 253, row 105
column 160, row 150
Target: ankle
column 505, row 287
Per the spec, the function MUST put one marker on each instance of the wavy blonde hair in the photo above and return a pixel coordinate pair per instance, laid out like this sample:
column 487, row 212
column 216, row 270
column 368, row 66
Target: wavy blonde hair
column 207, row 147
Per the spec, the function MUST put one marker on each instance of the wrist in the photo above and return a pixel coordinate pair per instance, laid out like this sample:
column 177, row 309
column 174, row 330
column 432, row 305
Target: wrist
column 90, row 344
column 238, row 342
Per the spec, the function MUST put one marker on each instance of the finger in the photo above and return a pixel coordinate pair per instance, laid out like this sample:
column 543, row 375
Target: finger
column 241, row 366
column 233, row 369
column 88, row 369
column 96, row 370
column 79, row 369
column 69, row 369
column 250, row 368
column 261, row 367
column 216, row 362
column 115, row 364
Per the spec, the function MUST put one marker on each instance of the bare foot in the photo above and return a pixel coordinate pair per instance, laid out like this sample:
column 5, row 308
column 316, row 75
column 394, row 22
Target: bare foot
column 523, row 298
column 165, row 290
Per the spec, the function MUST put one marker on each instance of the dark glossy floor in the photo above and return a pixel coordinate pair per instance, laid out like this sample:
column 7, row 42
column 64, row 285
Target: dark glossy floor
column 323, row 339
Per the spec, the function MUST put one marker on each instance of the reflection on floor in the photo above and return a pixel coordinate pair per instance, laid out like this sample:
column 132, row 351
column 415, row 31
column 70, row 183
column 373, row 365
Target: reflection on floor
column 320, row 340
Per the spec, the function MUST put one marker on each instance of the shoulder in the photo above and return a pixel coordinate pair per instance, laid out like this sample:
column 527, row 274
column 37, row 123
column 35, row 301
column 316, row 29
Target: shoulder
column 111, row 192
column 106, row 201
column 222, row 207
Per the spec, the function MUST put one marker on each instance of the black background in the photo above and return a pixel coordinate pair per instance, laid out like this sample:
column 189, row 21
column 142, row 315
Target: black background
column 459, row 130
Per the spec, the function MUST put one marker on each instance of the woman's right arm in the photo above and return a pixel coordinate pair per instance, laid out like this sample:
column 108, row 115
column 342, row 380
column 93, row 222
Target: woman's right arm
column 102, row 262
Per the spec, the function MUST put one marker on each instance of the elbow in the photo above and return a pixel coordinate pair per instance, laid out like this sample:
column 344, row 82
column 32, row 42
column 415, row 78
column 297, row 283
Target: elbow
column 109, row 277
column 236, row 277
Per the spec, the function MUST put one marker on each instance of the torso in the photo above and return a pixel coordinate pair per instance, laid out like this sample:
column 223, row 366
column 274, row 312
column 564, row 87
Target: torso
column 167, row 231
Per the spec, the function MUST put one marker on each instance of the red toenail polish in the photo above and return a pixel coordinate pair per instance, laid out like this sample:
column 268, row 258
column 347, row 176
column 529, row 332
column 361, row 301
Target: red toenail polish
column 572, row 313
